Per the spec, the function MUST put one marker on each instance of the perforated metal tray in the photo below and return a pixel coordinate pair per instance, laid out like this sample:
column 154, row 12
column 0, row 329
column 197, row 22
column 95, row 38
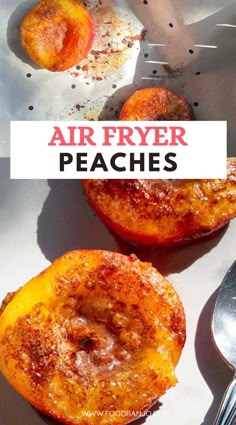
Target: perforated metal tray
column 41, row 220
column 189, row 47
column 186, row 45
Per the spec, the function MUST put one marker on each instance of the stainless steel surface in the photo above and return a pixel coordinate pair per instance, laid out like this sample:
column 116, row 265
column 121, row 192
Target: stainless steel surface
column 224, row 333
column 224, row 318
column 41, row 220
column 227, row 411
column 189, row 47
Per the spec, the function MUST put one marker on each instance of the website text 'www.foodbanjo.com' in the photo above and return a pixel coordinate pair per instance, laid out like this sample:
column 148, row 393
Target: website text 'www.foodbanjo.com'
column 120, row 413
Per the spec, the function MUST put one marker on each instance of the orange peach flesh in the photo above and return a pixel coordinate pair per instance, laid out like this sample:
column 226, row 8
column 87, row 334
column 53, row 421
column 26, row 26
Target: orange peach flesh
column 164, row 212
column 96, row 331
column 57, row 34
column 155, row 104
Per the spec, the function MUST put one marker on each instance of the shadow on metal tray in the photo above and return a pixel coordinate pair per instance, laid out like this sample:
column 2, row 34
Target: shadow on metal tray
column 67, row 222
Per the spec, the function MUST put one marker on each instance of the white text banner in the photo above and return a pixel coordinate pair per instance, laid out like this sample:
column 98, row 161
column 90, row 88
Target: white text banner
column 118, row 149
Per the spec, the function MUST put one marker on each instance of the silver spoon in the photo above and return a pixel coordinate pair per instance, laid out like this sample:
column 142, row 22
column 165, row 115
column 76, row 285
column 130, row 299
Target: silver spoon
column 224, row 335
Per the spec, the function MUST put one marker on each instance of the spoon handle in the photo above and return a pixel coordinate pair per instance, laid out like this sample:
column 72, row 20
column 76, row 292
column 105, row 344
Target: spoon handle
column 227, row 410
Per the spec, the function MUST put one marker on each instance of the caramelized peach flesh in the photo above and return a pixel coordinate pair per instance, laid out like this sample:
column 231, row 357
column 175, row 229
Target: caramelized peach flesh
column 95, row 332
column 57, row 34
column 164, row 212
column 155, row 104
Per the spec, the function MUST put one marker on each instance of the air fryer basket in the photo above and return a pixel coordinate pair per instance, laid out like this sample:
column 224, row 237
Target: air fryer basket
column 188, row 46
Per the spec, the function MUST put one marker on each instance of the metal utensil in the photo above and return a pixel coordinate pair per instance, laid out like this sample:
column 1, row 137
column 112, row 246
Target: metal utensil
column 224, row 335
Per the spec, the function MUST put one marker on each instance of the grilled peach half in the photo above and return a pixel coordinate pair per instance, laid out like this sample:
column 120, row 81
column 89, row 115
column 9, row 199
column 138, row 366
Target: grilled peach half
column 95, row 334
column 155, row 104
column 164, row 212
column 57, row 34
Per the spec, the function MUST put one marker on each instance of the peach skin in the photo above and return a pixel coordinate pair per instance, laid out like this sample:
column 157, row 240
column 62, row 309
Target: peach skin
column 164, row 212
column 96, row 331
column 57, row 34
column 155, row 104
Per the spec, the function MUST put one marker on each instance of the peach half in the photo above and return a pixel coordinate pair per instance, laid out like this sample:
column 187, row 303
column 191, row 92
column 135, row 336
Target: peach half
column 155, row 104
column 57, row 34
column 94, row 335
column 164, row 212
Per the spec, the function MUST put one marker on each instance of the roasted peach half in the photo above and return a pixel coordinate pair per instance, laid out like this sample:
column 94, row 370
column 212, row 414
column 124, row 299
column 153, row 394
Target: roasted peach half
column 164, row 212
column 155, row 104
column 95, row 335
column 57, row 34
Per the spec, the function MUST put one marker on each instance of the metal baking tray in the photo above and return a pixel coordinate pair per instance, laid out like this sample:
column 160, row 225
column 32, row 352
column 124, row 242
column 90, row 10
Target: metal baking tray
column 185, row 45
